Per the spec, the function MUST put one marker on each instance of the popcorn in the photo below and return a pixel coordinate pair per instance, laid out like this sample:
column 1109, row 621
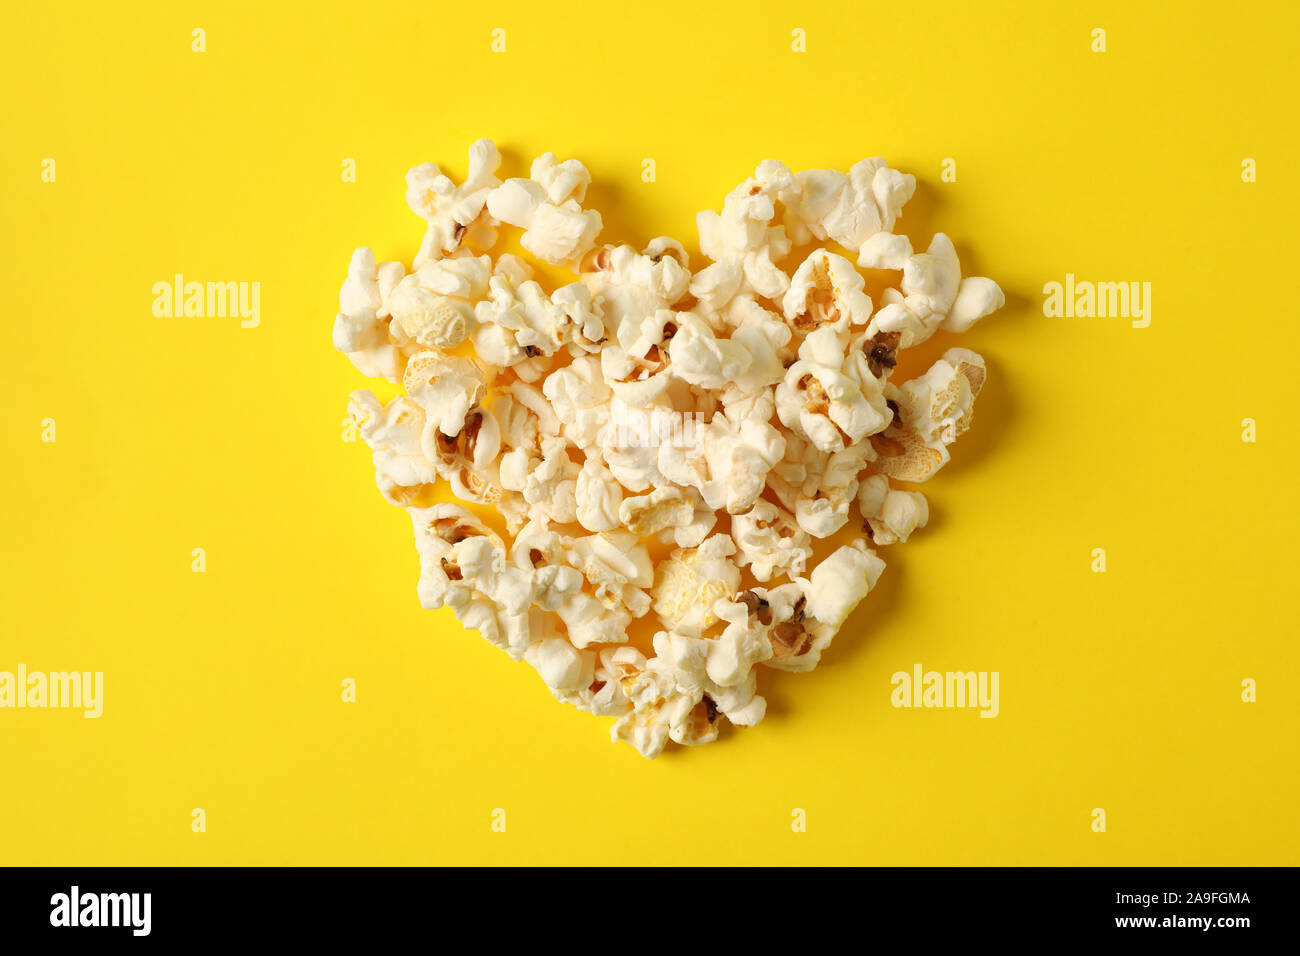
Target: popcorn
column 638, row 373
column 841, row 581
column 933, row 295
column 598, row 499
column 741, row 242
column 618, row 569
column 698, row 357
column 694, row 661
column 826, row 292
column 727, row 463
column 558, row 663
column 826, row 204
column 661, row 509
column 632, row 285
column 462, row 566
column 656, row 707
column 891, row 515
column 580, row 399
column 547, row 207
column 737, row 414
column 433, row 307
column 770, row 542
column 476, row 444
column 395, row 434
column 819, row 402
column 445, row 386
column 692, row 580
column 454, row 213
column 807, row 613
column 933, row 410
column 551, row 486
column 519, row 321
column 594, row 597
column 359, row 330
column 765, row 337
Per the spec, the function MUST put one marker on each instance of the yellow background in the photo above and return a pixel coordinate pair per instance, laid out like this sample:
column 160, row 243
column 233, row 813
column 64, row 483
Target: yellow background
column 222, row 690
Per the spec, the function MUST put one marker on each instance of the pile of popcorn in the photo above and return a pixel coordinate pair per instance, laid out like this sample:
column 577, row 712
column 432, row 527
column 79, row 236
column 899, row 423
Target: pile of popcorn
column 736, row 415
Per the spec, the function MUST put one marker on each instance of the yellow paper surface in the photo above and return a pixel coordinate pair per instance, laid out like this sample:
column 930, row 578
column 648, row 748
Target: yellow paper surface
column 222, row 690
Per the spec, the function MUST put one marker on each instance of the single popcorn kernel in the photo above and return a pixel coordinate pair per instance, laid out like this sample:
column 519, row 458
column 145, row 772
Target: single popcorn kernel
column 736, row 414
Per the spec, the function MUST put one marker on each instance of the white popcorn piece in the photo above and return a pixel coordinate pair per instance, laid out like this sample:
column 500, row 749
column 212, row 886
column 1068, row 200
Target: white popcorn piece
column 661, row 509
column 807, row 613
column 632, row 285
column 560, row 665
column 837, row 484
column 618, row 568
column 525, row 423
column 454, row 213
column 547, row 206
column 579, row 399
column 598, row 497
column 930, row 281
column 551, row 486
column 885, row 250
column 394, row 434
column 594, row 599
column 770, row 542
column 700, row 358
column 735, row 414
column 932, row 295
column 638, row 372
column 742, row 242
column 826, row 204
column 818, row 487
column 360, row 331
column 463, row 566
column 630, row 441
column 693, row 532
column 976, row 298
column 871, row 359
column 934, row 409
column 817, row 401
column 765, row 337
column 519, row 321
column 692, row 580
column 433, row 307
column 891, row 515
column 445, row 386
column 838, row 584
column 474, row 448
column 795, row 640
column 725, row 462
column 826, row 292
column 602, row 694
column 692, row 715
column 655, row 702
column 744, row 642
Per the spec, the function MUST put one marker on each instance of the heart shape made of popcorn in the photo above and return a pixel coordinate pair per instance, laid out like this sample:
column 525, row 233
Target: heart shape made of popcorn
column 660, row 448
